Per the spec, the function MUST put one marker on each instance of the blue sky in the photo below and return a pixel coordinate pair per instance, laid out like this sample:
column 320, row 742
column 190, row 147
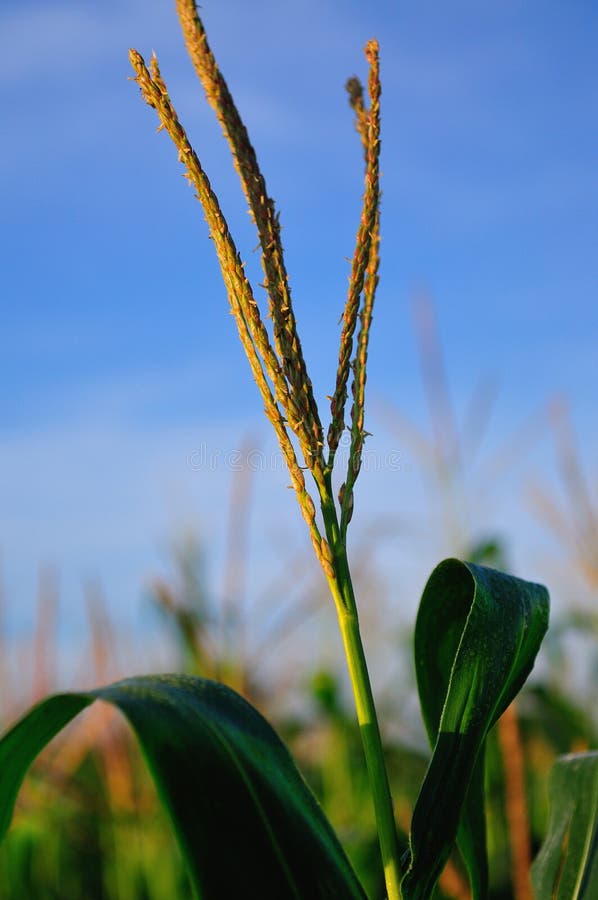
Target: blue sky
column 118, row 356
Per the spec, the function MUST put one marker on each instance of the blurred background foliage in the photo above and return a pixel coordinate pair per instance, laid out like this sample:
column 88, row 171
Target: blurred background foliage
column 88, row 823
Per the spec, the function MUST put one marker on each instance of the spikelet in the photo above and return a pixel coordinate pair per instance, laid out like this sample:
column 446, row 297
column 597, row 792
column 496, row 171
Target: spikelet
column 368, row 127
column 366, row 236
column 307, row 424
column 252, row 332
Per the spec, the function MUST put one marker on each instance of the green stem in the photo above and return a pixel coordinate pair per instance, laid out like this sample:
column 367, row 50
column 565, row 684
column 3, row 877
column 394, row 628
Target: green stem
column 342, row 590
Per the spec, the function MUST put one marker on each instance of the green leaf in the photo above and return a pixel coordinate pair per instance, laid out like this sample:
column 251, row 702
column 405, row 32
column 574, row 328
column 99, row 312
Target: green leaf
column 566, row 867
column 247, row 823
column 476, row 637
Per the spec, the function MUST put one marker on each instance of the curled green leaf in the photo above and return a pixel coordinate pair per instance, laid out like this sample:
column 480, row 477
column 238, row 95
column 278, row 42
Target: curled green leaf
column 246, row 822
column 476, row 638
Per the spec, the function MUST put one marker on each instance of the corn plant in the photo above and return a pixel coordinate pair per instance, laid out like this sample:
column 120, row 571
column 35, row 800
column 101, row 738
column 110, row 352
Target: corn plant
column 245, row 819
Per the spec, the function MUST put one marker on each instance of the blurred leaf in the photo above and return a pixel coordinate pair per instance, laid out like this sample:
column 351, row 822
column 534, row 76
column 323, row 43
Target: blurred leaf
column 578, row 620
column 557, row 717
column 566, row 867
column 325, row 691
column 488, row 552
column 246, row 821
column 476, row 637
